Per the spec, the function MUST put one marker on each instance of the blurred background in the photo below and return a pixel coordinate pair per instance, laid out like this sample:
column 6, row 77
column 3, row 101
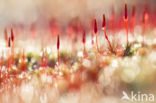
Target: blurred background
column 26, row 12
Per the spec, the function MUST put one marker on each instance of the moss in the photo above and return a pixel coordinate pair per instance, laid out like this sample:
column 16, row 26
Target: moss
column 29, row 57
column 128, row 51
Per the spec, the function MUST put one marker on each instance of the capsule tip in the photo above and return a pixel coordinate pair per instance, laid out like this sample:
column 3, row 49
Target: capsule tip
column 126, row 14
column 58, row 41
column 84, row 37
column 9, row 43
column 95, row 26
column 12, row 35
column 104, row 21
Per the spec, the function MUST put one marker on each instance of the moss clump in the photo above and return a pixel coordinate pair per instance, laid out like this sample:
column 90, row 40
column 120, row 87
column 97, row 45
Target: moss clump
column 128, row 51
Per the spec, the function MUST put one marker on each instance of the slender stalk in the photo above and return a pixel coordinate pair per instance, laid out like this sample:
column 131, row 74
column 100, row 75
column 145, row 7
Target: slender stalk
column 58, row 58
column 96, row 42
column 9, row 59
column 2, row 60
column 12, row 47
column 104, row 28
column 108, row 40
column 126, row 27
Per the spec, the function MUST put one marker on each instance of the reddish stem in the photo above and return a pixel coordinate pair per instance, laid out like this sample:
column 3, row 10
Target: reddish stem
column 92, row 40
column 1, row 64
column 12, row 48
column 58, row 58
column 108, row 40
column 44, row 59
column 8, row 62
column 126, row 27
column 96, row 42
column 104, row 27
column 126, row 20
